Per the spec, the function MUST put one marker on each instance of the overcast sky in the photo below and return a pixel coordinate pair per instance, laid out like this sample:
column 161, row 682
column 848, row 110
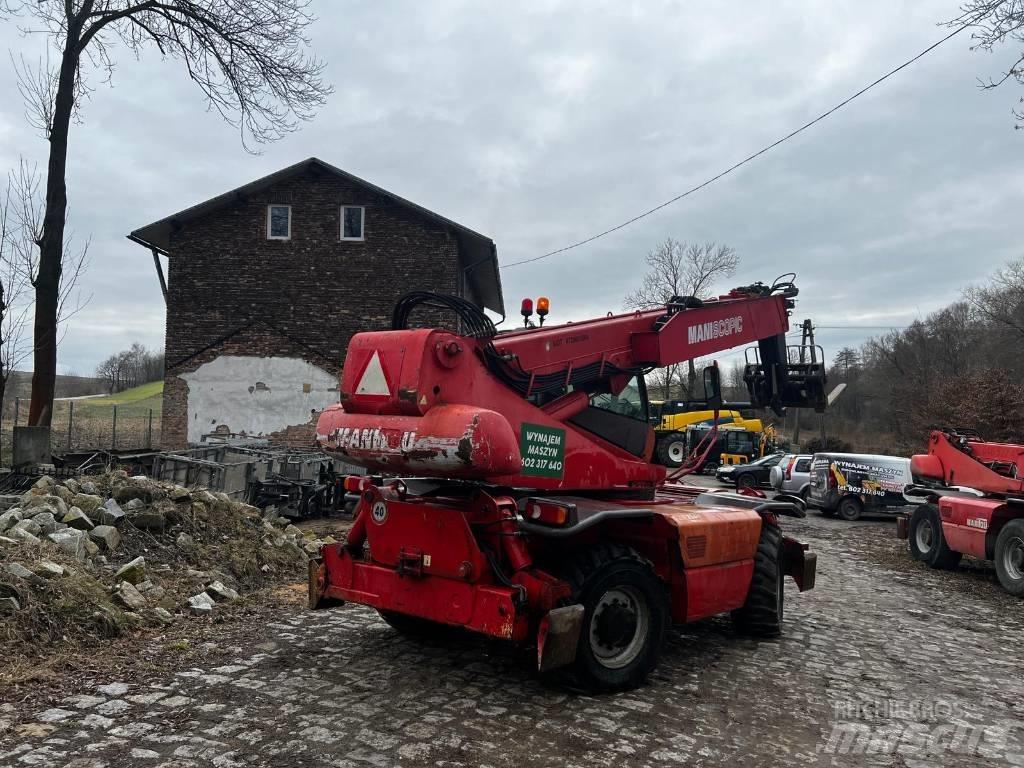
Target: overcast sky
column 542, row 123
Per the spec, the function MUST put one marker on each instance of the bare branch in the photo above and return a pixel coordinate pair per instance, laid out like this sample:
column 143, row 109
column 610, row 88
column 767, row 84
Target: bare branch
column 995, row 23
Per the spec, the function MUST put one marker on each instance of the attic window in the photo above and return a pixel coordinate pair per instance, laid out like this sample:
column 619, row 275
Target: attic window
column 279, row 222
column 352, row 222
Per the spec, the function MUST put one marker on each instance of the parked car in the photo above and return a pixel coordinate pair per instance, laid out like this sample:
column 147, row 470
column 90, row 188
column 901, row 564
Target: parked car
column 792, row 474
column 850, row 484
column 752, row 475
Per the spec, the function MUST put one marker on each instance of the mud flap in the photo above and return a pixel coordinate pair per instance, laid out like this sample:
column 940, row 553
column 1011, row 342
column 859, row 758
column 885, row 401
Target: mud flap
column 902, row 527
column 558, row 636
column 799, row 563
column 317, row 581
column 318, row 585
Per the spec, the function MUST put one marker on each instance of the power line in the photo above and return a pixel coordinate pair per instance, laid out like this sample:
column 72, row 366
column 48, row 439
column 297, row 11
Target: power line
column 744, row 161
column 861, row 327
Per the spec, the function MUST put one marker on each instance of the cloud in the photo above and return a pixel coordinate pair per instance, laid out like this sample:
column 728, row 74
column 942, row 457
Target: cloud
column 542, row 123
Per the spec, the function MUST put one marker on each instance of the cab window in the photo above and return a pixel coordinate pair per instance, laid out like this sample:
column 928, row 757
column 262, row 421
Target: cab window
column 629, row 402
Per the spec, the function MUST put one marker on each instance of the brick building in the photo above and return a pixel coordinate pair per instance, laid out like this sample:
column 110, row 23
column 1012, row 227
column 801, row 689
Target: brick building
column 266, row 284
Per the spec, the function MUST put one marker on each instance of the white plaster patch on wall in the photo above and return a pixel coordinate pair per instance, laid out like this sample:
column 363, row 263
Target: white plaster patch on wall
column 255, row 395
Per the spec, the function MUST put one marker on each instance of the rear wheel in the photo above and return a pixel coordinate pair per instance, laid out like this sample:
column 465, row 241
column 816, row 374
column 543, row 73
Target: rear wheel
column 761, row 615
column 1010, row 557
column 850, row 508
column 624, row 621
column 927, row 543
column 710, row 468
column 671, row 450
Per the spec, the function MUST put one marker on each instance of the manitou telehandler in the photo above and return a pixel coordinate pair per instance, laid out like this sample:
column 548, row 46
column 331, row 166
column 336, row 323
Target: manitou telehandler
column 528, row 507
column 973, row 504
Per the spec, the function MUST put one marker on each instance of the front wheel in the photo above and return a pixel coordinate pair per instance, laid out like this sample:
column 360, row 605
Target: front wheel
column 1010, row 557
column 624, row 621
column 927, row 544
column 761, row 615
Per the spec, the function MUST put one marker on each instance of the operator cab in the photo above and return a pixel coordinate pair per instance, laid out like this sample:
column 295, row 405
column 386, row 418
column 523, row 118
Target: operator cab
column 623, row 419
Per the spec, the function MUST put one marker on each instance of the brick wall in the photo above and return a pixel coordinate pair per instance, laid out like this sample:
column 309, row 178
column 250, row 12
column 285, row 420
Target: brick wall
column 314, row 288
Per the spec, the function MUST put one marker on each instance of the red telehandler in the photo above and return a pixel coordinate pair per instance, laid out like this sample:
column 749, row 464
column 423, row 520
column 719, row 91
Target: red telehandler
column 974, row 504
column 528, row 506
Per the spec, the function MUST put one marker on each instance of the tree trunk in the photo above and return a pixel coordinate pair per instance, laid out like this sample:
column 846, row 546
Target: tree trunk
column 51, row 243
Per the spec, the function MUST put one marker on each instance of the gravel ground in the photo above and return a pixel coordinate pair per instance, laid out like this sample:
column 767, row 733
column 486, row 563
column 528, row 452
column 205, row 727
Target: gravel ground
column 884, row 663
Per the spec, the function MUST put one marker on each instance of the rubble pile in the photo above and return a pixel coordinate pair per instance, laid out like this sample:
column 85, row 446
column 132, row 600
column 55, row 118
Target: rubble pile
column 93, row 556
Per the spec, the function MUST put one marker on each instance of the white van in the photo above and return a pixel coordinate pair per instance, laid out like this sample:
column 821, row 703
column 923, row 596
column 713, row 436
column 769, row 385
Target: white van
column 850, row 484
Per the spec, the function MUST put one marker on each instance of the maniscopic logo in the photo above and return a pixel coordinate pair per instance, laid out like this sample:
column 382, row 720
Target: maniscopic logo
column 715, row 329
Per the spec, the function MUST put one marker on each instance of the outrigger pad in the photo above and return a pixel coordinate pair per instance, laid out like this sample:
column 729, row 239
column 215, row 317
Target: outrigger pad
column 558, row 636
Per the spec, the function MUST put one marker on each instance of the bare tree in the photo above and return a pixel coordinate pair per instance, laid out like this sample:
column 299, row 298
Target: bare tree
column 246, row 56
column 682, row 269
column 131, row 367
column 996, row 22
column 1001, row 301
column 20, row 219
column 14, row 286
column 666, row 381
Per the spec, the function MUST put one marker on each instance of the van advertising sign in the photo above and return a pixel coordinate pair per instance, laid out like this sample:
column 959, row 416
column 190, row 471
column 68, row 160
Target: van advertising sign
column 863, row 476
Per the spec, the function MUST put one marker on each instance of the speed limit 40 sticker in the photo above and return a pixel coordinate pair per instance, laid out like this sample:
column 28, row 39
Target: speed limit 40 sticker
column 379, row 512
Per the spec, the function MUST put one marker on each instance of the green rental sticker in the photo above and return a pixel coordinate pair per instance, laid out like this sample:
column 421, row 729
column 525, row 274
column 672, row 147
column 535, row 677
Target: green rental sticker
column 542, row 450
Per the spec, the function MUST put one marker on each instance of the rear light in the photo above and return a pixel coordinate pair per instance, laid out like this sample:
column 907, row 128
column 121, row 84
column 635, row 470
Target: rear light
column 549, row 512
column 789, row 469
column 832, row 482
column 356, row 483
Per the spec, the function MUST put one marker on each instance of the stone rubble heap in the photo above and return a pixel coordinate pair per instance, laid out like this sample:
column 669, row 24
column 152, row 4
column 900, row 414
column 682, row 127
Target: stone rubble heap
column 102, row 528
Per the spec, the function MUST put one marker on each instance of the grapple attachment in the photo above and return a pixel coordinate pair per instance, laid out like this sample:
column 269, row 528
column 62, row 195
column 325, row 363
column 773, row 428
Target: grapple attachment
column 780, row 377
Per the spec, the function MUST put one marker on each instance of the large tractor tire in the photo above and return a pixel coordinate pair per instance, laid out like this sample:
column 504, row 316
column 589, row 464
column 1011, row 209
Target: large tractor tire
column 761, row 615
column 670, row 450
column 927, row 544
column 1010, row 557
column 850, row 508
column 624, row 621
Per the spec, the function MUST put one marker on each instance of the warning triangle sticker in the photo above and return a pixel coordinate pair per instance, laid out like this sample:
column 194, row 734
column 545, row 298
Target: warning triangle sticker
column 373, row 381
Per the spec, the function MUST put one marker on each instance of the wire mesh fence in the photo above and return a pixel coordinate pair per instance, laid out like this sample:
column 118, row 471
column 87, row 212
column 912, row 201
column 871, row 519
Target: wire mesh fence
column 84, row 424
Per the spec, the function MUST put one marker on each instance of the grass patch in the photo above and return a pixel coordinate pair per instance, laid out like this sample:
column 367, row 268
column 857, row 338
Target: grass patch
column 141, row 398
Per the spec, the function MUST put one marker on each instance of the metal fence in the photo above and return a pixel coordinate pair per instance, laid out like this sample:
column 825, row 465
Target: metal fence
column 80, row 425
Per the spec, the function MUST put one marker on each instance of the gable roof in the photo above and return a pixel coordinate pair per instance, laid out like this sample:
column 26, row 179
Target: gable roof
column 480, row 256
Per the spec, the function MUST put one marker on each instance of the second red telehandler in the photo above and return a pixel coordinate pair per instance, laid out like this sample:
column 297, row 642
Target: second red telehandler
column 973, row 504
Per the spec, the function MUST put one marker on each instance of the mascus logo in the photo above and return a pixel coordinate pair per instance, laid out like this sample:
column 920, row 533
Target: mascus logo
column 714, row 329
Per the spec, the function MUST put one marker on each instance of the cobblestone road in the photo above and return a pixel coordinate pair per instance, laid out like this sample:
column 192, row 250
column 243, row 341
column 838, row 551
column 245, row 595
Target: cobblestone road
column 877, row 666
